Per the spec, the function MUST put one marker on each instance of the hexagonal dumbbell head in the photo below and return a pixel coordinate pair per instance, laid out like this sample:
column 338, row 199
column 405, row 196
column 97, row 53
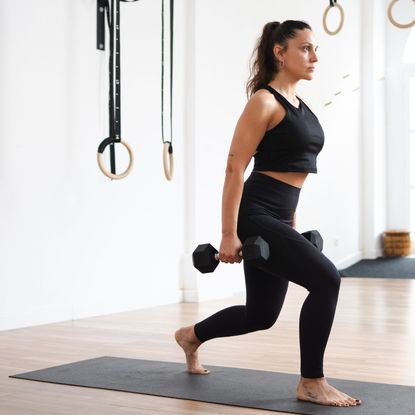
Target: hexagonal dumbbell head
column 204, row 258
column 255, row 250
column 315, row 238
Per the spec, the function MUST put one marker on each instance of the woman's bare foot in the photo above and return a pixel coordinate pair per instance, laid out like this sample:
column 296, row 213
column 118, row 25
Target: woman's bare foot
column 319, row 391
column 187, row 339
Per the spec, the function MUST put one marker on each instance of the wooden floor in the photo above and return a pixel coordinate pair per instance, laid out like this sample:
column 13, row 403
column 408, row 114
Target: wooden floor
column 373, row 339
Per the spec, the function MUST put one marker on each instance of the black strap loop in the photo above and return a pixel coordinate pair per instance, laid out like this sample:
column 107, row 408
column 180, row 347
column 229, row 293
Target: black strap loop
column 107, row 142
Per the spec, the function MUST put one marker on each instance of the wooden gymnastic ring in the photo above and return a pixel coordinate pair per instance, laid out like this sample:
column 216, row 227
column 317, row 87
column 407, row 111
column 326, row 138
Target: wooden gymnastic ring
column 393, row 21
column 168, row 164
column 101, row 163
column 326, row 12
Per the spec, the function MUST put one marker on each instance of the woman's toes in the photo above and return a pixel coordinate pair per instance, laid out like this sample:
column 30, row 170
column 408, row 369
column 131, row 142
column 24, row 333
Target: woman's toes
column 349, row 399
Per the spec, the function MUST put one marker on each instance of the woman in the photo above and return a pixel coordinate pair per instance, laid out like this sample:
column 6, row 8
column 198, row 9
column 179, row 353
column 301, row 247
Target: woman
column 286, row 137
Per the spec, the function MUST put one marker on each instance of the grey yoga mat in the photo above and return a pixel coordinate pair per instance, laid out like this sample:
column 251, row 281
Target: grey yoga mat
column 223, row 385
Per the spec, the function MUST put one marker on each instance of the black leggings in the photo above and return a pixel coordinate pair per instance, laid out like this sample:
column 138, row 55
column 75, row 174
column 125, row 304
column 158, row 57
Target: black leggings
column 267, row 209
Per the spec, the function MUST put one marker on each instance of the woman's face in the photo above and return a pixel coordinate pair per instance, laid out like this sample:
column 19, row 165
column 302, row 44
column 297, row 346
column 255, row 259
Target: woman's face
column 300, row 55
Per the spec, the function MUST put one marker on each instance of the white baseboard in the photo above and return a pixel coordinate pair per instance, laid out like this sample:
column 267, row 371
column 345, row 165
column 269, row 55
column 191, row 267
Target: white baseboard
column 348, row 261
column 54, row 313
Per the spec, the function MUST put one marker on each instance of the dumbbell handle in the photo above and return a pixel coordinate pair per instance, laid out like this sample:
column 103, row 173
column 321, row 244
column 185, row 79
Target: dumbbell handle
column 217, row 256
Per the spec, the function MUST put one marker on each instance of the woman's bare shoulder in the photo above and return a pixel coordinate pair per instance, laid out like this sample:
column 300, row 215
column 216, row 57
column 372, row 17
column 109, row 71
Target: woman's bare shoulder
column 262, row 98
column 263, row 94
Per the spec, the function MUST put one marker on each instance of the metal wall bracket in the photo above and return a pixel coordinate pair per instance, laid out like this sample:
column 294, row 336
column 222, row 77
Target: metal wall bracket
column 101, row 24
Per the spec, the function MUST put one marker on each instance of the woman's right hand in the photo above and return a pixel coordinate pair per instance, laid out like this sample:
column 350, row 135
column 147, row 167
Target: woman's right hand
column 230, row 247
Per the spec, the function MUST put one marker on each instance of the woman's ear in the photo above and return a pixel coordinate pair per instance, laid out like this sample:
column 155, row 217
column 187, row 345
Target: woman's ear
column 277, row 52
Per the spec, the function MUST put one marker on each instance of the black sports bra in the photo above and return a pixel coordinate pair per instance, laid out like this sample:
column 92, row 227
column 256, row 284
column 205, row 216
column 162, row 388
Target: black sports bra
column 294, row 143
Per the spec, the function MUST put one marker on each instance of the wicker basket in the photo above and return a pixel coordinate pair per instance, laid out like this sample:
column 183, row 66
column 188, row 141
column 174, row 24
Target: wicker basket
column 397, row 243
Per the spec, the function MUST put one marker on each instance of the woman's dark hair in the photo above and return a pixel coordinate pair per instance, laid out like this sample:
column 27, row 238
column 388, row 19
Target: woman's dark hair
column 265, row 65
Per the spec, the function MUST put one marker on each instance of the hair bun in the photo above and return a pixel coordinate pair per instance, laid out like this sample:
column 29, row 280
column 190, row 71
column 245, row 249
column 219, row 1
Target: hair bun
column 271, row 26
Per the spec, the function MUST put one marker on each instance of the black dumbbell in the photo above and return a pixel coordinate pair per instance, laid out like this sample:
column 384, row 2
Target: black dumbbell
column 315, row 238
column 206, row 257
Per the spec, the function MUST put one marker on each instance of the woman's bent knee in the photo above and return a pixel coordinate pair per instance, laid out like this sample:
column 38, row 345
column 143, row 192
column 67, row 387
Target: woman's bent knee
column 327, row 279
column 263, row 323
column 334, row 279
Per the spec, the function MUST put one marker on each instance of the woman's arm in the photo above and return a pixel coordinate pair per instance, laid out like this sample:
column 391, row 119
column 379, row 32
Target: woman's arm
column 249, row 131
column 294, row 220
column 231, row 198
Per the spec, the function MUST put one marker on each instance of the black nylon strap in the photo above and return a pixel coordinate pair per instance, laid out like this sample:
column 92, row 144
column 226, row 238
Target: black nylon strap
column 171, row 73
column 114, row 102
column 114, row 116
column 117, row 117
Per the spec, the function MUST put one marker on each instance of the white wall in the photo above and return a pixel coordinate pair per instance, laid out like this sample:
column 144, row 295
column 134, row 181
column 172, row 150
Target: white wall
column 75, row 244
column 373, row 158
column 397, row 118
